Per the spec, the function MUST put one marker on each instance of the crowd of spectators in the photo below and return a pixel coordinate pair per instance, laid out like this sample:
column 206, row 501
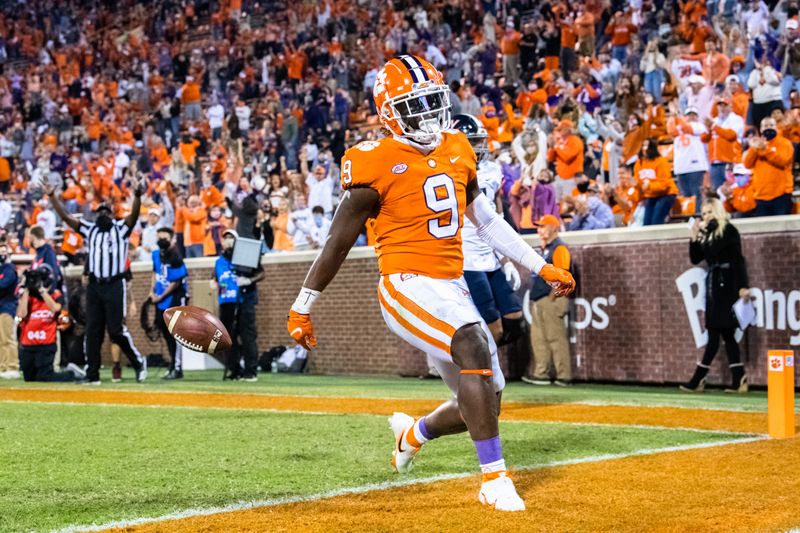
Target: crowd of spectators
column 602, row 113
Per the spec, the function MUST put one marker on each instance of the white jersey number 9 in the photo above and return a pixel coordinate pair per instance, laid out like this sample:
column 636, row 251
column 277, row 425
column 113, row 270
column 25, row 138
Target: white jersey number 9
column 440, row 197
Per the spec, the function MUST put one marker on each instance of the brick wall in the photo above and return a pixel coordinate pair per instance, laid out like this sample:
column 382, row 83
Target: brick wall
column 648, row 337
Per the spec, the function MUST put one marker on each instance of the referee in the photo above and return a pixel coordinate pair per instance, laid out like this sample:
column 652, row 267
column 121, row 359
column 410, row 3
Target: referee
column 107, row 247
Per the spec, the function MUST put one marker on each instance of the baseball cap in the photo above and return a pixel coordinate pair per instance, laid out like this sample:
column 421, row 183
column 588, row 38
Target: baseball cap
column 741, row 170
column 231, row 232
column 697, row 78
column 738, row 59
column 548, row 220
column 102, row 206
column 690, row 110
column 733, row 78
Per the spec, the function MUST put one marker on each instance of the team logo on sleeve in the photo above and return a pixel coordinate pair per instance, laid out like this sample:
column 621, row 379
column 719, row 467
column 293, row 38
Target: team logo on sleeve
column 367, row 146
column 399, row 168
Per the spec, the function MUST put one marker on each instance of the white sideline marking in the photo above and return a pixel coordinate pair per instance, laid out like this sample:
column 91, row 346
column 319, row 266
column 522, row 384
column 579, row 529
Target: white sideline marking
column 241, row 506
column 701, row 405
column 332, row 413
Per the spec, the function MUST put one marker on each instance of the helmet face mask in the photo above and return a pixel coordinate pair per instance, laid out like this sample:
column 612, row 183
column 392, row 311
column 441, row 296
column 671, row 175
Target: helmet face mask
column 422, row 114
column 476, row 134
column 480, row 144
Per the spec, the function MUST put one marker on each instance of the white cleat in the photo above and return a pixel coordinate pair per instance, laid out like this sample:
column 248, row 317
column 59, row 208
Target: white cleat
column 501, row 495
column 402, row 457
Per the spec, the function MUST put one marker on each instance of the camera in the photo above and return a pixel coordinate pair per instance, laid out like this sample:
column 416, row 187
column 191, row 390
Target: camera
column 36, row 278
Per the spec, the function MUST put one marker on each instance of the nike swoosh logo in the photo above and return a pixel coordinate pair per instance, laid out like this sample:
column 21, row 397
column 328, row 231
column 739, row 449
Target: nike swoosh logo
column 400, row 444
column 454, row 159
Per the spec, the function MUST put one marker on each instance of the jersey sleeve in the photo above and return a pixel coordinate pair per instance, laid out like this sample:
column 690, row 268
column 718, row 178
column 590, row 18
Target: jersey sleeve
column 360, row 167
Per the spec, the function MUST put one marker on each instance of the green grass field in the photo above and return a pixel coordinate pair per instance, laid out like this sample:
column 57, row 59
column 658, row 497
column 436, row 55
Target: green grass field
column 71, row 464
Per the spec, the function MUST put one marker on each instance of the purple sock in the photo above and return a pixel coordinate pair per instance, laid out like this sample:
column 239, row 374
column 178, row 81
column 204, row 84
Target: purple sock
column 423, row 430
column 489, row 450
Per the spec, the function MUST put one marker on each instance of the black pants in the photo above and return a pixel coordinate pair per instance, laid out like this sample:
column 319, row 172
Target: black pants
column 36, row 364
column 240, row 321
column 105, row 310
column 782, row 205
column 175, row 355
column 732, row 349
column 72, row 348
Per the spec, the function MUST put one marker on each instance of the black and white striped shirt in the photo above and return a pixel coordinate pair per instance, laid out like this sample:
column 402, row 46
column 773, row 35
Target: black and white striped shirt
column 108, row 250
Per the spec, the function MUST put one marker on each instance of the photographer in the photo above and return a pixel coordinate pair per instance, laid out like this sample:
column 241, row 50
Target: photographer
column 37, row 315
column 237, row 296
column 169, row 289
column 9, row 367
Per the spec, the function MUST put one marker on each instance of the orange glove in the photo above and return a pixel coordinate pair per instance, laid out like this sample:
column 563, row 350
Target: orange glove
column 558, row 278
column 302, row 330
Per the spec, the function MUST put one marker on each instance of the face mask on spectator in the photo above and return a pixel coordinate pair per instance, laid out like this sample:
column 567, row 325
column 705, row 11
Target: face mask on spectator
column 769, row 134
column 583, row 186
column 742, row 180
column 163, row 243
column 318, row 220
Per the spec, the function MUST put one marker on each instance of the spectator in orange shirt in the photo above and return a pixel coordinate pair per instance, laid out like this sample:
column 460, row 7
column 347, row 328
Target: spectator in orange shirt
column 738, row 194
column 567, row 153
column 210, row 195
column 195, row 217
column 620, row 31
column 509, row 46
column 770, row 157
column 724, row 136
column 740, row 100
column 535, row 95
column 190, row 99
column 626, row 196
column 658, row 187
column 568, row 59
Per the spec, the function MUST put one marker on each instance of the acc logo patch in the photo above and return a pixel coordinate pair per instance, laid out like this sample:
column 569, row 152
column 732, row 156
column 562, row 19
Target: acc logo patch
column 399, row 168
column 367, row 146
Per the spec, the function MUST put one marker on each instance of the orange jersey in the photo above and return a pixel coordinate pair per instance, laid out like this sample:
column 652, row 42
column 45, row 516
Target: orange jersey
column 422, row 202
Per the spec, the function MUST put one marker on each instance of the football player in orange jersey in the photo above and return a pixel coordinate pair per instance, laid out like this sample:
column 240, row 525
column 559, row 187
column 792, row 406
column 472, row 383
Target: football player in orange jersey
column 417, row 184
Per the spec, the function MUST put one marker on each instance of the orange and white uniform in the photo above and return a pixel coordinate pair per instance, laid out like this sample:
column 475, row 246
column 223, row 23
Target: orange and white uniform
column 423, row 296
column 421, row 175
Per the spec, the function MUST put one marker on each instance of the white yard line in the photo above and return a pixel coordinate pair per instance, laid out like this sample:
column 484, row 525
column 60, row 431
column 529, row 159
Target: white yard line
column 240, row 506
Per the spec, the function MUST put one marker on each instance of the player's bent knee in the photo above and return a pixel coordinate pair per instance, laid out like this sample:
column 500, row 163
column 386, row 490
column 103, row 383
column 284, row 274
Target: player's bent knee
column 470, row 348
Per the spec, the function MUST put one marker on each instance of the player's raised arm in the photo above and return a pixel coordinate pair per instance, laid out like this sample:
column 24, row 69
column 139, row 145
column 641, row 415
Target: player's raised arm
column 498, row 234
column 357, row 205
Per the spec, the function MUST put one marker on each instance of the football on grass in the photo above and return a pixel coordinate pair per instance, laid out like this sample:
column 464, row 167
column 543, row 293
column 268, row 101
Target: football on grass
column 197, row 329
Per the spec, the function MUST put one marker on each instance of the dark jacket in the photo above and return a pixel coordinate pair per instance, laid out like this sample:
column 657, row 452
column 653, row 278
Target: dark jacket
column 8, row 287
column 727, row 273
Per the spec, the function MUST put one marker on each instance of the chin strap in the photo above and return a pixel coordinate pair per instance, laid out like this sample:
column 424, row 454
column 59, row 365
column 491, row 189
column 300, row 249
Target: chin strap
column 425, row 148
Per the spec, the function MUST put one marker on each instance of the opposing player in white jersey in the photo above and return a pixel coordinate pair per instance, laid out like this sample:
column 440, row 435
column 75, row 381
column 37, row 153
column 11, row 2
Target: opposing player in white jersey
column 491, row 279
